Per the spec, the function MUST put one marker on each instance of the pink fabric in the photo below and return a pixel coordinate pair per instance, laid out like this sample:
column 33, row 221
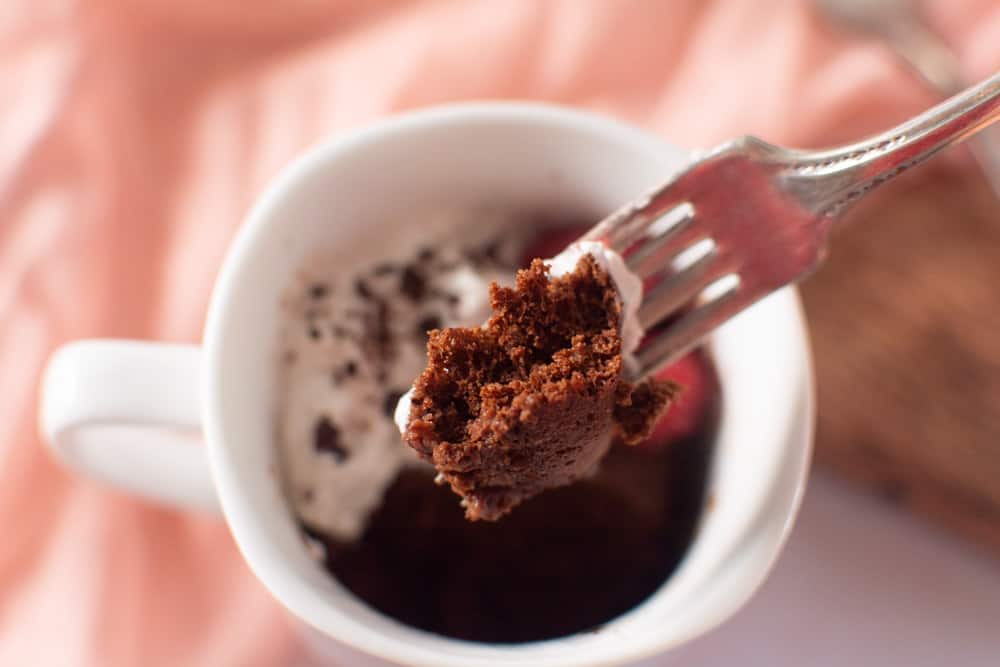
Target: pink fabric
column 135, row 133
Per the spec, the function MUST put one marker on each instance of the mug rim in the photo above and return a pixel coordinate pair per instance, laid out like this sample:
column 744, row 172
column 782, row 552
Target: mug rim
column 264, row 563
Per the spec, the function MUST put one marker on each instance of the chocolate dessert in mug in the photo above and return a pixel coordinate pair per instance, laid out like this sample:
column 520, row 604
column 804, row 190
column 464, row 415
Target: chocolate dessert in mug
column 318, row 325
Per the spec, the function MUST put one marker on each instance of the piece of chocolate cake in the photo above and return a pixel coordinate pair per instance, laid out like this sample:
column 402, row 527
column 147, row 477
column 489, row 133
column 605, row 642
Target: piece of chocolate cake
column 533, row 399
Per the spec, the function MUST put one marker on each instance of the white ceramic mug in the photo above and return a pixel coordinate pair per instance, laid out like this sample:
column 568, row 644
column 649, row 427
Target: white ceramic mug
column 125, row 412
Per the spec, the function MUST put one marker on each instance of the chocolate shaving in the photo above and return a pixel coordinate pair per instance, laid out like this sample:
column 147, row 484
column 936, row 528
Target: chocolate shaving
column 326, row 439
column 451, row 299
column 382, row 335
column 428, row 323
column 412, row 284
column 362, row 290
column 348, row 370
column 491, row 251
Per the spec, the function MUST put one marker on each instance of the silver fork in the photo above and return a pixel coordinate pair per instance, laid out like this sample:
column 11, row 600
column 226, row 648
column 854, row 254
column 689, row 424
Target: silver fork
column 902, row 26
column 750, row 217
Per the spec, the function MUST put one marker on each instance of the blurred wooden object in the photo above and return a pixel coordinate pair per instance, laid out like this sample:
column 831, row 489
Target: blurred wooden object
column 905, row 321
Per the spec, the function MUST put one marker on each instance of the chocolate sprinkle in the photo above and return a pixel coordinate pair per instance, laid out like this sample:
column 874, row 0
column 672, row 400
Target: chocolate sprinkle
column 350, row 369
column 425, row 254
column 326, row 438
column 492, row 251
column 318, row 291
column 362, row 290
column 412, row 284
column 487, row 254
column 382, row 334
column 428, row 323
column 451, row 299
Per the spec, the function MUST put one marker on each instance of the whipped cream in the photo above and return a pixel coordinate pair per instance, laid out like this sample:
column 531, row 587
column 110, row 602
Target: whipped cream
column 352, row 342
column 402, row 413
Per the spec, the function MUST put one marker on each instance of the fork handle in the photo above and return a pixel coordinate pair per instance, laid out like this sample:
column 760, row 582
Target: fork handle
column 827, row 182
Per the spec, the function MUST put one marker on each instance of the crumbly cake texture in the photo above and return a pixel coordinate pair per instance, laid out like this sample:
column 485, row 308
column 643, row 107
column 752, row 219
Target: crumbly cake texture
column 533, row 399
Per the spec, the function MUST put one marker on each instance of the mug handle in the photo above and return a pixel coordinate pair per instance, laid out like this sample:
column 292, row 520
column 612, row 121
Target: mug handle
column 128, row 413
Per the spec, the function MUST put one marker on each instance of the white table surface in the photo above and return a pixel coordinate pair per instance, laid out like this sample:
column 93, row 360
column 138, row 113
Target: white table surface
column 862, row 583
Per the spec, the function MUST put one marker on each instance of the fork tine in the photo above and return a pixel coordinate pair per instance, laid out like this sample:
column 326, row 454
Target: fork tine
column 678, row 289
column 667, row 344
column 619, row 230
column 622, row 234
column 655, row 253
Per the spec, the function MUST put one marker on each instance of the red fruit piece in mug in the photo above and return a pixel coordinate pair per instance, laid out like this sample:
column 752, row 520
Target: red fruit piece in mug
column 686, row 415
column 550, row 242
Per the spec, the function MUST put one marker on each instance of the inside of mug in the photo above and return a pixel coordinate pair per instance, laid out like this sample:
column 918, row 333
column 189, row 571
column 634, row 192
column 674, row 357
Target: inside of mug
column 521, row 158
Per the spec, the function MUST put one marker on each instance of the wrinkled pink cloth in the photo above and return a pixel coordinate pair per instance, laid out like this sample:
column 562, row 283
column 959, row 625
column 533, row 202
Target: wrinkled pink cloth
column 135, row 133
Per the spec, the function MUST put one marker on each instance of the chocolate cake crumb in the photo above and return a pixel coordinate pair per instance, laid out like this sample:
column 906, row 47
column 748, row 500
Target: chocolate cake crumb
column 637, row 411
column 533, row 399
column 326, row 438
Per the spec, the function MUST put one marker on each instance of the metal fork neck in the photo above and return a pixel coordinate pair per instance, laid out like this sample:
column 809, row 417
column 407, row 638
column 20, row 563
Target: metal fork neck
column 828, row 182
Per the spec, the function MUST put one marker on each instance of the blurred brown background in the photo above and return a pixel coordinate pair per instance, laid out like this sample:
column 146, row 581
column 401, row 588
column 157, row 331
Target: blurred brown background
column 905, row 320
